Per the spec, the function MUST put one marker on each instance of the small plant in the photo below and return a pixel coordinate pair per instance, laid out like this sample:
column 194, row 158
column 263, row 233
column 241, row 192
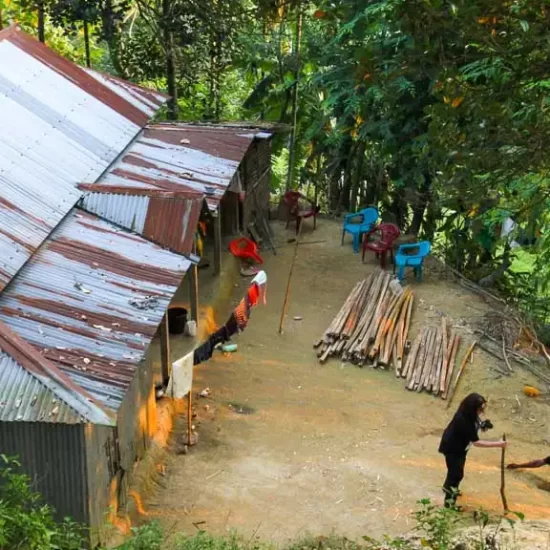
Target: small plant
column 146, row 537
column 27, row 523
column 437, row 525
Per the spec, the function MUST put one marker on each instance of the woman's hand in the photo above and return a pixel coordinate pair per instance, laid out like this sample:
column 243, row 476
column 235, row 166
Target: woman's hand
column 503, row 444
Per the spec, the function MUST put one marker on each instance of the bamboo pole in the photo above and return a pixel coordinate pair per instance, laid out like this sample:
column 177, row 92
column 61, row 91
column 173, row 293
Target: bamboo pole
column 503, row 477
column 438, row 360
column 451, row 365
column 460, row 371
column 426, row 361
column 189, row 420
column 417, row 371
column 412, row 354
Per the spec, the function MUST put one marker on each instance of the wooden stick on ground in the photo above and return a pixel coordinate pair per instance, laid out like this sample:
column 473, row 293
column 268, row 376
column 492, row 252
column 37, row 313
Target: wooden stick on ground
column 460, row 371
column 189, row 420
column 502, row 477
column 287, row 293
column 451, row 365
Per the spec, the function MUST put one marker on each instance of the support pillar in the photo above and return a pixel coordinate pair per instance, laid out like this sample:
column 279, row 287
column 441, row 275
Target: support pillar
column 194, row 292
column 165, row 363
column 217, row 242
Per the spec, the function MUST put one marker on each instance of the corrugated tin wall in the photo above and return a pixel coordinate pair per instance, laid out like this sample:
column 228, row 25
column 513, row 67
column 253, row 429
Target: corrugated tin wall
column 103, row 475
column 256, row 165
column 134, row 418
column 53, row 456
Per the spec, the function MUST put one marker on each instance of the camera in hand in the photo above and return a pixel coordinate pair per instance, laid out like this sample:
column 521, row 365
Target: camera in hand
column 486, row 425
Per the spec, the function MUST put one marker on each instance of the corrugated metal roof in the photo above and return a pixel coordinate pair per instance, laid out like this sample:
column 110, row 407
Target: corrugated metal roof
column 179, row 158
column 63, row 126
column 164, row 218
column 90, row 301
column 56, row 396
column 144, row 99
column 24, row 398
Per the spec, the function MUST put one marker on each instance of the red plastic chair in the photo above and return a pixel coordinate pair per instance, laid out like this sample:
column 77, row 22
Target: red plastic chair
column 300, row 211
column 245, row 249
column 380, row 240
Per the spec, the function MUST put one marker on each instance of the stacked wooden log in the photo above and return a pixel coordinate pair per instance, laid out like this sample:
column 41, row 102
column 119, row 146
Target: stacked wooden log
column 431, row 363
column 373, row 324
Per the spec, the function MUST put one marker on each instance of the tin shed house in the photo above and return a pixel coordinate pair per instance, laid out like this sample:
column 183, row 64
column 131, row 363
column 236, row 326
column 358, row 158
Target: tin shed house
column 81, row 295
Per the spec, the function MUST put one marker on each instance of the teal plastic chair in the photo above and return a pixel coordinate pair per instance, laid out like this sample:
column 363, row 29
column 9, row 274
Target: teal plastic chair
column 403, row 260
column 356, row 230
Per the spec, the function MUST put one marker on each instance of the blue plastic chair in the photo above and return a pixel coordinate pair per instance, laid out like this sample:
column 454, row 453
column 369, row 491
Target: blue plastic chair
column 370, row 215
column 415, row 261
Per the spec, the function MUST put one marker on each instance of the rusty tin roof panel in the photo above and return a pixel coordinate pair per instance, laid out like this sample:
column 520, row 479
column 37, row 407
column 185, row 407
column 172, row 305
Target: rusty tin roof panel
column 24, row 398
column 164, row 218
column 90, row 302
column 179, row 158
column 146, row 100
column 64, row 127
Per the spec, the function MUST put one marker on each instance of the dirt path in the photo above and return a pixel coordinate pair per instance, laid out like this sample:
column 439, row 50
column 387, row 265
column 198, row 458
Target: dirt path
column 335, row 447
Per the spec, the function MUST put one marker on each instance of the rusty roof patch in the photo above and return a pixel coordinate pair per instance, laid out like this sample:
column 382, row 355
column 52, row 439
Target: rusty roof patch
column 164, row 218
column 175, row 157
column 65, row 126
column 90, row 300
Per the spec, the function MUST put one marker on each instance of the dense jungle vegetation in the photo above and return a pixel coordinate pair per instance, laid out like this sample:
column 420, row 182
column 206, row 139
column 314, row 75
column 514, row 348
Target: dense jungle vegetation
column 434, row 110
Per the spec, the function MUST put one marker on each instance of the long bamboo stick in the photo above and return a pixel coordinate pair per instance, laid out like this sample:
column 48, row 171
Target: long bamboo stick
column 503, row 478
column 393, row 322
column 426, row 362
column 436, row 368
column 417, row 373
column 448, row 342
column 451, row 365
column 411, row 358
column 460, row 371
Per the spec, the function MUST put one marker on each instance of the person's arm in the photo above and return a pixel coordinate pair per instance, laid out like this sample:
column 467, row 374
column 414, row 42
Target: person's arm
column 533, row 464
column 490, row 444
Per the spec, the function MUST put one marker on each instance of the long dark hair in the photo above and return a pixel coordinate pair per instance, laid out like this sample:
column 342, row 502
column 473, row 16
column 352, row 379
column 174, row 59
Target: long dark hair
column 470, row 405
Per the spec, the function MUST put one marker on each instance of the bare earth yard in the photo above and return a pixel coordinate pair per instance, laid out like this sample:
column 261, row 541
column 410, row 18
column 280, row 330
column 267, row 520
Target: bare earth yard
column 334, row 447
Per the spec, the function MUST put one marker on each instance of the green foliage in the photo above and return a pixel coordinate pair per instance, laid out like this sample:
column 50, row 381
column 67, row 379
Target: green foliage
column 27, row 523
column 146, row 537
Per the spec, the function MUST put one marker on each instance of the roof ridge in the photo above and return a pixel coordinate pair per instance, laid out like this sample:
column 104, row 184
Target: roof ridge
column 53, row 378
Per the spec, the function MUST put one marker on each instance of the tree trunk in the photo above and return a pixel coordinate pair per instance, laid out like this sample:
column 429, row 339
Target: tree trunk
column 41, row 22
column 292, row 143
column 419, row 205
column 87, row 44
column 111, row 37
column 356, row 179
column 172, row 113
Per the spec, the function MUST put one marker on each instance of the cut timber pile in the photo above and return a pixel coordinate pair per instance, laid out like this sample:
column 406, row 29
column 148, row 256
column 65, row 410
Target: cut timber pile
column 431, row 364
column 373, row 324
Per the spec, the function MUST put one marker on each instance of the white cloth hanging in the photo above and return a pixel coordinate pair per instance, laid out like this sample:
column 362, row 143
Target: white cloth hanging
column 181, row 378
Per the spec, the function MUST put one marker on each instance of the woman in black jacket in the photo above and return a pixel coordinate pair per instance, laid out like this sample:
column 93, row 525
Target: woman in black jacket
column 462, row 432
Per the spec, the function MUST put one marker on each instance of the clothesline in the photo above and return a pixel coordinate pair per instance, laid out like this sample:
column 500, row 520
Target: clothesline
column 237, row 320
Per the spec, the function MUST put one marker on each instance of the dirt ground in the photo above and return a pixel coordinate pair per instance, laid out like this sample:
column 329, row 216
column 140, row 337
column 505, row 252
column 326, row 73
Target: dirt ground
column 334, row 448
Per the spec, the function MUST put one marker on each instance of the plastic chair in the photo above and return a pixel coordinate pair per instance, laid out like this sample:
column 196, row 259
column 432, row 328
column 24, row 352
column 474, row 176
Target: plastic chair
column 403, row 260
column 369, row 217
column 387, row 233
column 300, row 211
column 245, row 249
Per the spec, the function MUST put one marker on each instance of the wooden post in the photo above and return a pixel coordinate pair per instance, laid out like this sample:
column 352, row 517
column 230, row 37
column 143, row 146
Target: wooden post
column 502, row 478
column 165, row 350
column 217, row 242
column 194, row 292
column 189, row 419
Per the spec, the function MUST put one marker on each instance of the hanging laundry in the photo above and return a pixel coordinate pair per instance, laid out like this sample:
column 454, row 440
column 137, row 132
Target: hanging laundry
column 181, row 378
column 237, row 320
